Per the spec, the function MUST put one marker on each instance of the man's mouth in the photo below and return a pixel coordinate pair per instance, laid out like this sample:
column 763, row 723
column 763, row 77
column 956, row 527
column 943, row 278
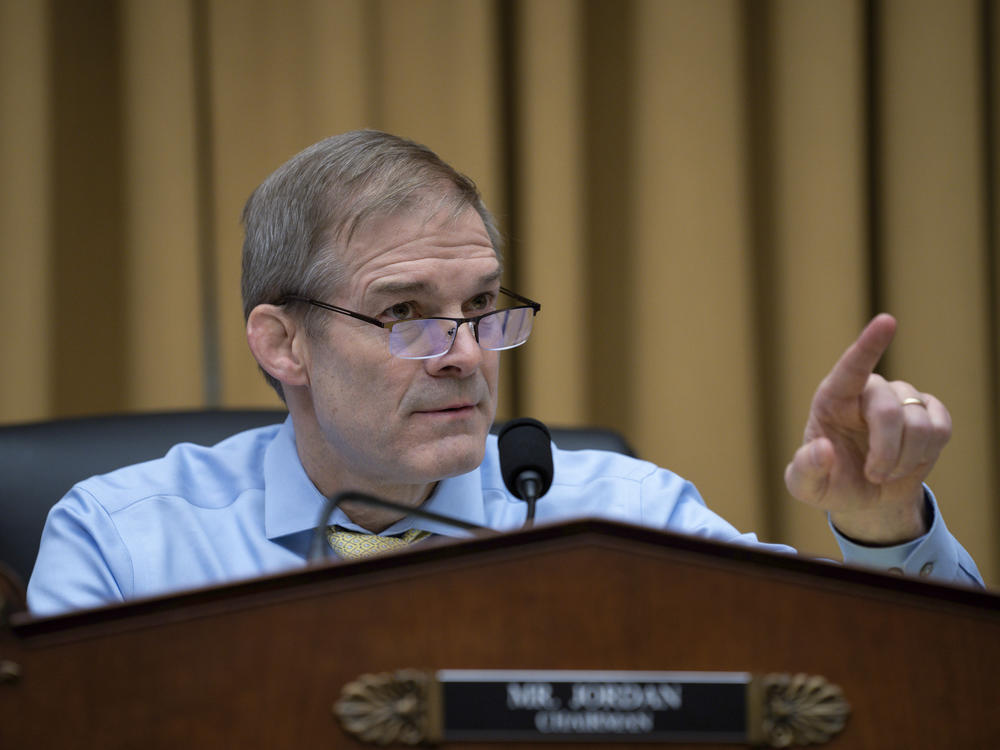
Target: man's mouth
column 450, row 409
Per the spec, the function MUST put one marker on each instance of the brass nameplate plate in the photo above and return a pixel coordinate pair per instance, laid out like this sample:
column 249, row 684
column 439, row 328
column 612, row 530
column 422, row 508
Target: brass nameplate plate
column 411, row 707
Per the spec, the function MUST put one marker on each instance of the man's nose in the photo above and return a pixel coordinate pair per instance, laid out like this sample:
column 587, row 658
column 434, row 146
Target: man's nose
column 465, row 352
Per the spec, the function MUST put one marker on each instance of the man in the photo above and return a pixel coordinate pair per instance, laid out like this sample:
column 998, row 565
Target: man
column 371, row 288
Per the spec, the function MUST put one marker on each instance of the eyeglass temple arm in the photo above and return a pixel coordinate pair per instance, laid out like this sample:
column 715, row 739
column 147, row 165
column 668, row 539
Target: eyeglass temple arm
column 536, row 306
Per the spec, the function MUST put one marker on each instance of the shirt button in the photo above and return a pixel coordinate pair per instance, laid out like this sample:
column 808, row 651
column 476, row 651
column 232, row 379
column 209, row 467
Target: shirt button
column 896, row 571
column 927, row 569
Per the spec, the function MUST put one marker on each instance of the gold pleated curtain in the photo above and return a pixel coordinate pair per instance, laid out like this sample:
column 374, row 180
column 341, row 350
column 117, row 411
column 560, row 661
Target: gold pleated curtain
column 710, row 198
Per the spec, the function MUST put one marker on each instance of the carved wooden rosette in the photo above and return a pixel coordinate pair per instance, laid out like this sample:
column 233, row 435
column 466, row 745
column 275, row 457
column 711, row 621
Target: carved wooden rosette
column 405, row 708
column 794, row 710
column 402, row 708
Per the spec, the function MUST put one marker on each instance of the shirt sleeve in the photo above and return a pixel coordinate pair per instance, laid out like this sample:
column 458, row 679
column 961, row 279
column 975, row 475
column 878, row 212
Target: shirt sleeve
column 937, row 554
column 82, row 561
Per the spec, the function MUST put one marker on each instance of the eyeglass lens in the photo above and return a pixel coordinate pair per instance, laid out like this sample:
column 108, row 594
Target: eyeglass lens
column 430, row 337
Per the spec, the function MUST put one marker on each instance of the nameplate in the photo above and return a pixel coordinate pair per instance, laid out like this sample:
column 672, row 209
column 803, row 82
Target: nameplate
column 652, row 706
column 411, row 707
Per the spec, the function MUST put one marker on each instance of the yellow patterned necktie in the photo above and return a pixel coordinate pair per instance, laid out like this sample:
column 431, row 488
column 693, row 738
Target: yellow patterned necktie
column 351, row 545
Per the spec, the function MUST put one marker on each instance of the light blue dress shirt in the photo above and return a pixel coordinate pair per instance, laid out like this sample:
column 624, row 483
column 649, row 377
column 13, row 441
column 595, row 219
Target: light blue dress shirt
column 245, row 508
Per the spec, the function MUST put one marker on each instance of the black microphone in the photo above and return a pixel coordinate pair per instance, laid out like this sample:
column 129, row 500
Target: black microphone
column 526, row 460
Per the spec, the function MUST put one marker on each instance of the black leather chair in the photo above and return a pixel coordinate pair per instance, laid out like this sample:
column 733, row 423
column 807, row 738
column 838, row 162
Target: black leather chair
column 41, row 461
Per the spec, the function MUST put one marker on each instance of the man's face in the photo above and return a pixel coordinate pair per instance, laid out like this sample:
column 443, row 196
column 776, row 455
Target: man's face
column 386, row 423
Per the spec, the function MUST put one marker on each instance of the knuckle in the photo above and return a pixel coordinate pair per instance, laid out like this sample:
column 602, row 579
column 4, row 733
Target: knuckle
column 885, row 413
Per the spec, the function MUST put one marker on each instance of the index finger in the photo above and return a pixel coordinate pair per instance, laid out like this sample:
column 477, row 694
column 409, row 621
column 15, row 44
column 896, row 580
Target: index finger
column 848, row 377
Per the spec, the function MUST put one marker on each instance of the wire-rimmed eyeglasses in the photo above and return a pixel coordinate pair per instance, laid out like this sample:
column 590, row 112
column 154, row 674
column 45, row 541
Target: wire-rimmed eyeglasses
column 426, row 338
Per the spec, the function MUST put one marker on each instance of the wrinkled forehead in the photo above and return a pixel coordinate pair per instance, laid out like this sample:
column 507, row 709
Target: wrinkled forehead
column 426, row 238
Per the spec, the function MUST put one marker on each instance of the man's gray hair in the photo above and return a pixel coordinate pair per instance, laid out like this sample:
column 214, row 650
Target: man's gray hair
column 299, row 220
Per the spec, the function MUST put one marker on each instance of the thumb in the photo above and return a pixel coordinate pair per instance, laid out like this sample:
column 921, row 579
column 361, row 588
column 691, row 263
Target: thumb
column 808, row 475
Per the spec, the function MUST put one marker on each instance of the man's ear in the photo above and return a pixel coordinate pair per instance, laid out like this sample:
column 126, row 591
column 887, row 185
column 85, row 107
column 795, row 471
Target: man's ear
column 277, row 341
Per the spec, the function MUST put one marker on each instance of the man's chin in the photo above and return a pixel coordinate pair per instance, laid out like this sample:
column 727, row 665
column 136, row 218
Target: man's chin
column 451, row 455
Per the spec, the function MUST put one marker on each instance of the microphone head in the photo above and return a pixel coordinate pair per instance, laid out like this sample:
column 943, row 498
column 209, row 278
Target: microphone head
column 525, row 445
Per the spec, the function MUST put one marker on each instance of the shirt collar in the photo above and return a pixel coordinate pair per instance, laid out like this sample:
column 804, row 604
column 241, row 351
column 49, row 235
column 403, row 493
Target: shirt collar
column 292, row 503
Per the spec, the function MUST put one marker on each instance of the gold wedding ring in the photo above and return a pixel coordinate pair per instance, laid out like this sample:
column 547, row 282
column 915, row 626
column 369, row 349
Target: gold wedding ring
column 914, row 400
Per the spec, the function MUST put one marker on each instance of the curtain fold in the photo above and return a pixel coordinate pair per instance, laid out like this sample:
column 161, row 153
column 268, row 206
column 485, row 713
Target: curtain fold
column 25, row 211
column 709, row 198
column 162, row 305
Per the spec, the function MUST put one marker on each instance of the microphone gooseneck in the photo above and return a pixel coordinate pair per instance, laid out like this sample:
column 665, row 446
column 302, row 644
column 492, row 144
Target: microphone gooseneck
column 317, row 546
column 525, row 448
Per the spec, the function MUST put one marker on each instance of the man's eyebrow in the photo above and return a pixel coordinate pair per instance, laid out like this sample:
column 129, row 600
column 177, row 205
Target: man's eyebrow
column 394, row 288
column 491, row 278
